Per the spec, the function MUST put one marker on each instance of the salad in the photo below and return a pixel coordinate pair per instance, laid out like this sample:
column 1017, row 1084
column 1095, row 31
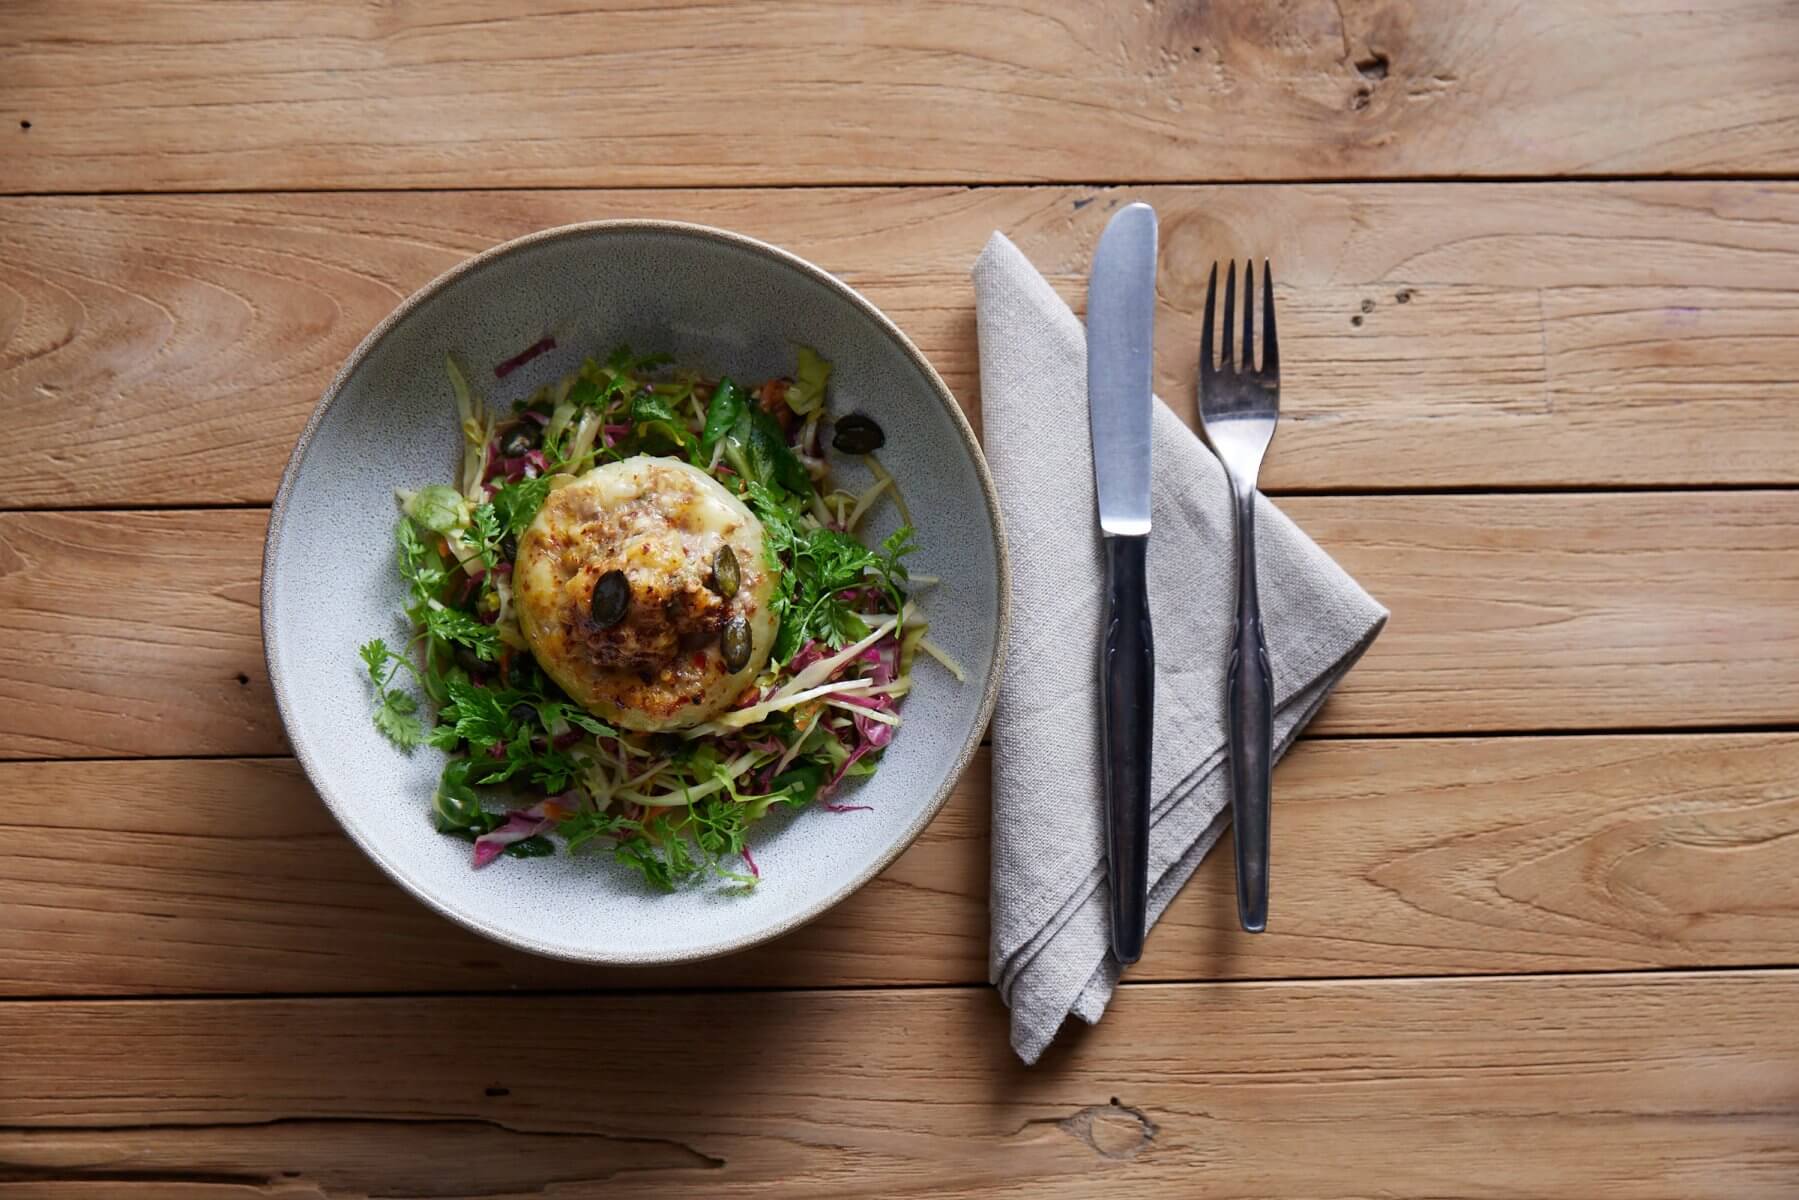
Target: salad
column 645, row 617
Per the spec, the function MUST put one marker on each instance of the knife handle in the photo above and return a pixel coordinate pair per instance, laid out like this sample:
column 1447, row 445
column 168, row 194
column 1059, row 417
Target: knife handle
column 1249, row 713
column 1127, row 673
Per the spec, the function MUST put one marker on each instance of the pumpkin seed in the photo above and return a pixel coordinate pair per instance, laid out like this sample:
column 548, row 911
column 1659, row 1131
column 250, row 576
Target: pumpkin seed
column 735, row 642
column 857, row 434
column 725, row 578
column 611, row 599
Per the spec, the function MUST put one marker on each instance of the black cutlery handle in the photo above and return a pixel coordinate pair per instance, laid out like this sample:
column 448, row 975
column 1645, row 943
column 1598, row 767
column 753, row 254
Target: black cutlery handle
column 1249, row 709
column 1127, row 673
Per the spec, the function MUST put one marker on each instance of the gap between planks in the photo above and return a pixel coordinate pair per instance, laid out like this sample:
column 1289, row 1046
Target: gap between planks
column 751, row 989
column 957, row 183
column 1773, row 728
column 1276, row 493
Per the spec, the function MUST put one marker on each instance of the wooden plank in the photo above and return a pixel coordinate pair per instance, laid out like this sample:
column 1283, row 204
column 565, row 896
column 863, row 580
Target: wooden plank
column 1568, row 612
column 1597, row 1087
column 136, row 633
column 133, row 633
column 158, row 350
column 1409, row 857
column 116, row 95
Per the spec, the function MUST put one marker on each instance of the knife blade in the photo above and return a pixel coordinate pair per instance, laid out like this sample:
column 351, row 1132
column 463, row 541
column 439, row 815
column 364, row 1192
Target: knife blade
column 1121, row 306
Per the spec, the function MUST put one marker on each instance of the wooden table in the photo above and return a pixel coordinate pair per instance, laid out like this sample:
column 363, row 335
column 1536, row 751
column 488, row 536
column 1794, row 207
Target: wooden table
column 1537, row 910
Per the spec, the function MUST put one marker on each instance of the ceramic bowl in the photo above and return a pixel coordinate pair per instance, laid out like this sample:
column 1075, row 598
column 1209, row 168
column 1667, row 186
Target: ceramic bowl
column 716, row 301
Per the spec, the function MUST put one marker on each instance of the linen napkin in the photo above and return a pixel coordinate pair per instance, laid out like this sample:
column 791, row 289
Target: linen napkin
column 1050, row 954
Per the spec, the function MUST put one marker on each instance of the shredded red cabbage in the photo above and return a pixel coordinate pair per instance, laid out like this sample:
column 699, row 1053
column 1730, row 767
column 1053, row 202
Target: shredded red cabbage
column 828, row 788
column 518, row 827
column 883, row 661
column 810, row 653
column 528, row 465
column 541, row 346
column 874, row 734
column 521, row 824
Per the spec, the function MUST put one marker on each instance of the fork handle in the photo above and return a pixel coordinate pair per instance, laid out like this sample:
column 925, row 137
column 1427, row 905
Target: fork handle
column 1249, row 708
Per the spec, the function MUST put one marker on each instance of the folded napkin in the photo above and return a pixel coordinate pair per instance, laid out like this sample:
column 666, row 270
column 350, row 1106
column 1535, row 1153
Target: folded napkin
column 1050, row 954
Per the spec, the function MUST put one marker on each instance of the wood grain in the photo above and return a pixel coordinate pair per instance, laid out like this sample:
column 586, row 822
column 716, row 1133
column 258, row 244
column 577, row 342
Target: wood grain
column 182, row 95
column 1413, row 857
column 158, row 350
column 133, row 633
column 1602, row 1088
column 161, row 351
column 136, row 633
column 1559, row 612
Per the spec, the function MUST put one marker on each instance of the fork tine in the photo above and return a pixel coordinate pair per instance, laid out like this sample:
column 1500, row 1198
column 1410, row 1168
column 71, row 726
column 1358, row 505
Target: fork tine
column 1205, row 330
column 1249, row 315
column 1271, row 354
column 1230, row 312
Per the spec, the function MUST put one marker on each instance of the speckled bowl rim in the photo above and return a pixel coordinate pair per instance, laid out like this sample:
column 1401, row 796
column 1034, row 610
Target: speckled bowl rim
column 964, row 755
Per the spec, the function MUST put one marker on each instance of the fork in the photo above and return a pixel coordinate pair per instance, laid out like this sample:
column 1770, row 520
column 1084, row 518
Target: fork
column 1238, row 407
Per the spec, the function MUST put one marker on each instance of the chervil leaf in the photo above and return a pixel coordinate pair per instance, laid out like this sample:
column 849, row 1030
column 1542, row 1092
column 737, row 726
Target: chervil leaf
column 518, row 758
column 719, row 826
column 657, row 426
column 648, row 406
column 816, row 566
column 420, row 566
column 454, row 625
column 394, row 708
column 549, row 712
column 579, row 830
column 374, row 656
column 838, row 624
column 826, row 563
column 778, row 522
column 663, row 865
column 394, row 717
column 488, row 533
column 896, row 546
column 515, row 505
column 554, row 770
column 482, row 715
column 581, row 720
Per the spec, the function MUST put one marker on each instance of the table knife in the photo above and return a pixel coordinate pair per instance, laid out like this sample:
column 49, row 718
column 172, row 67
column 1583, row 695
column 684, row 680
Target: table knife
column 1121, row 309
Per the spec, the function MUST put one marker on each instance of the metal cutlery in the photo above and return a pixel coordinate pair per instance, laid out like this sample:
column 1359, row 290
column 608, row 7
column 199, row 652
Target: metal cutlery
column 1121, row 308
column 1239, row 404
